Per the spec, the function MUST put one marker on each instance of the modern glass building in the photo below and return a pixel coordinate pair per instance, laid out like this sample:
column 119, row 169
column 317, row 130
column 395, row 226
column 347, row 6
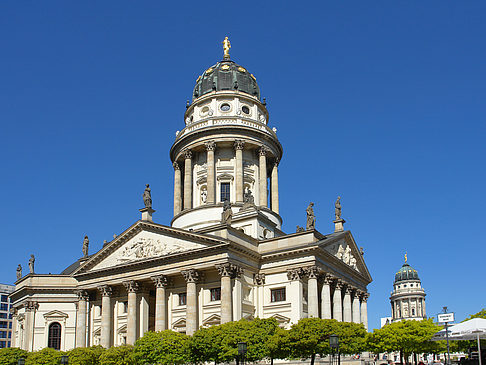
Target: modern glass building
column 5, row 315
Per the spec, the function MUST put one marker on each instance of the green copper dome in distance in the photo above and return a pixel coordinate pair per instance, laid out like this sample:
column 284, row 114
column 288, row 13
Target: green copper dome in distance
column 406, row 272
column 226, row 75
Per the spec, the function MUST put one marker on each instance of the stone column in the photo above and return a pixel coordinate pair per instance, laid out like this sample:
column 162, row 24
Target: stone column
column 326, row 298
column 143, row 311
column 295, row 295
column 211, row 178
column 177, row 189
column 263, row 177
column 312, row 290
column 192, row 277
column 188, row 179
column 347, row 313
column 274, row 186
column 161, row 282
column 259, row 283
column 227, row 271
column 238, row 295
column 239, row 144
column 81, row 326
column 337, row 301
column 356, row 314
column 132, row 289
column 106, row 292
column 364, row 310
column 13, row 341
column 28, row 340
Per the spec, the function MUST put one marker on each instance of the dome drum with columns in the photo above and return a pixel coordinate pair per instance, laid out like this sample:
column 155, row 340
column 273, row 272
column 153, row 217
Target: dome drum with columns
column 224, row 256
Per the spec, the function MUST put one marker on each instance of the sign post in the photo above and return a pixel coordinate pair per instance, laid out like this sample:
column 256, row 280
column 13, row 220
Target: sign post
column 445, row 317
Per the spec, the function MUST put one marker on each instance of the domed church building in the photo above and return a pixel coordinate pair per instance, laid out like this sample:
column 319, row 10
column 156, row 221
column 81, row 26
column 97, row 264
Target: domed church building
column 224, row 255
column 408, row 297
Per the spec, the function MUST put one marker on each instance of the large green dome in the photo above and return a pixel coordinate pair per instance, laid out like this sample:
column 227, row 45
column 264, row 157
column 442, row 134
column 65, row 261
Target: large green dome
column 406, row 272
column 226, row 75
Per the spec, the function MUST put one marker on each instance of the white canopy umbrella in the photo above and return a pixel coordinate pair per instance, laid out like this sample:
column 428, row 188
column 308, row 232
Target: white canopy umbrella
column 474, row 329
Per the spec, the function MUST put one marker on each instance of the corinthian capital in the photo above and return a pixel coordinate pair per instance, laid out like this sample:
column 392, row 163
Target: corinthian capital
column 191, row 275
column 175, row 165
column 187, row 154
column 131, row 286
column 239, row 144
column 210, row 146
column 262, row 151
column 259, row 279
column 31, row 305
column 105, row 290
column 82, row 295
column 228, row 269
column 313, row 272
column 295, row 274
column 160, row 281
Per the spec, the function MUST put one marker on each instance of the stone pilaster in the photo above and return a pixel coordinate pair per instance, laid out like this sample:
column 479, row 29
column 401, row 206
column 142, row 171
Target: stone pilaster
column 239, row 145
column 211, row 178
column 326, row 297
column 192, row 277
column 132, row 288
column 187, row 179
column 274, row 187
column 161, row 282
column 14, row 313
column 106, row 292
column 296, row 292
column 81, row 316
column 263, row 176
column 337, row 301
column 364, row 309
column 227, row 272
column 356, row 311
column 30, row 308
column 177, row 189
column 312, row 290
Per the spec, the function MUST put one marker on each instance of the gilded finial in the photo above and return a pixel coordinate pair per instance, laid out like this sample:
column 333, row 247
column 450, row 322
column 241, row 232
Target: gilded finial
column 405, row 257
column 226, row 48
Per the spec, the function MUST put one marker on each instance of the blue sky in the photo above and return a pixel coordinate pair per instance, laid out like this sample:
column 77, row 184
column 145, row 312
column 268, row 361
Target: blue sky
column 381, row 102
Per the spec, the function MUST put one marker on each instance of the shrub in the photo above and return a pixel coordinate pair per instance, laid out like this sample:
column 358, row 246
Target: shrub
column 85, row 355
column 118, row 355
column 165, row 347
column 11, row 356
column 45, row 356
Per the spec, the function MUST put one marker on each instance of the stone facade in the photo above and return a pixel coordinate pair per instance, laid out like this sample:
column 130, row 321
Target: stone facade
column 198, row 271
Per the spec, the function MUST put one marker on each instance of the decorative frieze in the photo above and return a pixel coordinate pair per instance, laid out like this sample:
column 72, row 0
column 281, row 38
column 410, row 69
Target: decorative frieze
column 105, row 290
column 131, row 286
column 191, row 275
column 160, row 281
column 259, row 279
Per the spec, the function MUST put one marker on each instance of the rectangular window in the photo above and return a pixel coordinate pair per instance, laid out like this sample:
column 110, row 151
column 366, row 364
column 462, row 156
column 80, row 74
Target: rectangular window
column 215, row 294
column 182, row 298
column 277, row 295
column 2, row 344
column 3, row 334
column 225, row 192
column 4, row 298
column 3, row 307
column 3, row 324
column 3, row 315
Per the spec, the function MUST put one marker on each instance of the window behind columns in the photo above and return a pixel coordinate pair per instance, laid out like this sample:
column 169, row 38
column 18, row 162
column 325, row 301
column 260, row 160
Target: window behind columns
column 54, row 337
column 215, row 294
column 277, row 295
column 225, row 192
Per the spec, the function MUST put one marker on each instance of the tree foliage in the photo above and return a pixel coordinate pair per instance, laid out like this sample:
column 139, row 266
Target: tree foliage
column 85, row 355
column 45, row 356
column 117, row 355
column 11, row 356
column 165, row 347
column 407, row 336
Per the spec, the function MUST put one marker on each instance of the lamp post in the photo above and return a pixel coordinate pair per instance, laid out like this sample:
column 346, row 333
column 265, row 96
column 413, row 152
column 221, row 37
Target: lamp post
column 444, row 309
column 64, row 360
column 334, row 344
column 21, row 361
column 242, row 348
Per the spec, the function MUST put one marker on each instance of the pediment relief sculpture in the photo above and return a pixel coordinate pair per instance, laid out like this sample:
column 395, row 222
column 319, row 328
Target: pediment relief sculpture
column 344, row 253
column 143, row 248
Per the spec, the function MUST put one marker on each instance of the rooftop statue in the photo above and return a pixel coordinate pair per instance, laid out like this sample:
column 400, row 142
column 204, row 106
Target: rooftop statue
column 311, row 218
column 31, row 264
column 337, row 208
column 147, row 197
column 19, row 272
column 226, row 48
column 85, row 246
column 227, row 212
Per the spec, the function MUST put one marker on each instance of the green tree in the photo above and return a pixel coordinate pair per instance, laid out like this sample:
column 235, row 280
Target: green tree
column 165, row 347
column 278, row 345
column 85, row 355
column 480, row 314
column 45, row 356
column 117, row 355
column 11, row 356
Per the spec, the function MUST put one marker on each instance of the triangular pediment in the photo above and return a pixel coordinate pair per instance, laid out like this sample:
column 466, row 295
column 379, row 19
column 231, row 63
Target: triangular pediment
column 212, row 320
column 55, row 314
column 345, row 250
column 145, row 241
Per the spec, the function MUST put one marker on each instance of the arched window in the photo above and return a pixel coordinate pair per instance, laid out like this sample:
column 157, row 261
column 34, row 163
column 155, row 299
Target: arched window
column 54, row 339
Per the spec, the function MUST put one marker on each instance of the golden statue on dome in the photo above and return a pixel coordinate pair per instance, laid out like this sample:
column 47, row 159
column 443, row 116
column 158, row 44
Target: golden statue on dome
column 405, row 257
column 226, row 48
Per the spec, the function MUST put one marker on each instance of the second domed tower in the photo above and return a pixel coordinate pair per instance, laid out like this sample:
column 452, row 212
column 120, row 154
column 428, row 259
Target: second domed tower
column 227, row 152
column 408, row 297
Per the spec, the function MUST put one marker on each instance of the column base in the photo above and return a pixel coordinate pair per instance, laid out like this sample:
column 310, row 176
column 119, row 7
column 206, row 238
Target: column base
column 147, row 214
column 339, row 225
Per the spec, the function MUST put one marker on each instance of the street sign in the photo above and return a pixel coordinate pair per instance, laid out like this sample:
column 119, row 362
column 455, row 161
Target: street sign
column 445, row 317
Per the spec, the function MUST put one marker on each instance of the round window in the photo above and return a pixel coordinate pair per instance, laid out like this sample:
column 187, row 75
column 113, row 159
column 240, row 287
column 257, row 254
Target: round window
column 225, row 107
column 245, row 109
